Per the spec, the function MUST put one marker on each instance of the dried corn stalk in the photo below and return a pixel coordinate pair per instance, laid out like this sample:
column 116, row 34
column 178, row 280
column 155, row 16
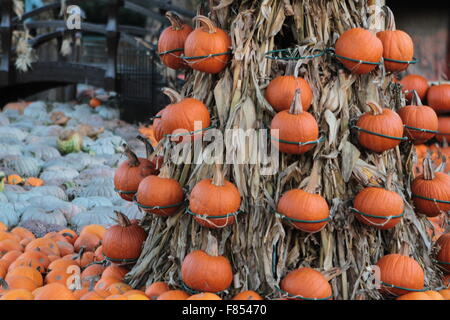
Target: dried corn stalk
column 261, row 248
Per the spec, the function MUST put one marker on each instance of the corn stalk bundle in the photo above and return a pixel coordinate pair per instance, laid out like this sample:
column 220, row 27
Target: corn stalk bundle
column 261, row 247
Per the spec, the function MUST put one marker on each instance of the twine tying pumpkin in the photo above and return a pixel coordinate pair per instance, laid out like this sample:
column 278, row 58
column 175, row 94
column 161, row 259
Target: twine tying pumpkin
column 282, row 216
column 321, row 139
column 379, row 134
column 158, row 207
column 207, row 218
column 387, row 218
column 190, row 133
column 287, row 294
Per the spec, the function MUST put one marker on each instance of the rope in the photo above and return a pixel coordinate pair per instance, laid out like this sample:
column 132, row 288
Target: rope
column 188, row 133
column 204, row 216
column 332, row 53
column 419, row 129
column 206, row 57
column 402, row 288
column 121, row 261
column 430, row 199
column 171, row 51
column 321, row 139
column 414, row 61
column 377, row 217
column 282, row 216
column 301, row 297
column 124, row 192
column 379, row 134
column 442, row 262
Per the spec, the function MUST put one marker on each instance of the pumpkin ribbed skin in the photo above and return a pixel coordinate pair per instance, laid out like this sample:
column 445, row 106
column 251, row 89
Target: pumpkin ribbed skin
column 443, row 129
column 203, row 272
column 302, row 205
column 128, row 176
column 414, row 296
column 437, row 188
column 211, row 200
column 28, row 272
column 123, row 241
column 438, row 97
column 204, row 41
column 397, row 45
column 180, row 118
column 300, row 127
column 247, row 295
column 415, row 82
column 387, row 123
column 154, row 290
column 443, row 254
column 359, row 44
column 306, row 283
column 17, row 294
column 173, row 295
column 281, row 90
column 54, row 291
column 204, row 296
column 421, row 117
column 400, row 271
column 157, row 191
column 378, row 202
column 173, row 38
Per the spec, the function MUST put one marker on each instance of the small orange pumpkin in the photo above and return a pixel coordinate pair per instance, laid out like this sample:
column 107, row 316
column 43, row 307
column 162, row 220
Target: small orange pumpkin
column 362, row 45
column 204, row 296
column 171, row 42
column 247, row 295
column 203, row 201
column 281, row 91
column 298, row 127
column 173, row 295
column 438, row 97
column 154, row 290
column 34, row 182
column 379, row 121
column 205, row 41
column 414, row 82
column 306, row 283
column 443, row 255
column 14, row 179
column 443, row 129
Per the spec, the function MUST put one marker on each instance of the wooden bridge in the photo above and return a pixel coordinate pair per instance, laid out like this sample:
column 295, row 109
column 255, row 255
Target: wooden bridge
column 110, row 74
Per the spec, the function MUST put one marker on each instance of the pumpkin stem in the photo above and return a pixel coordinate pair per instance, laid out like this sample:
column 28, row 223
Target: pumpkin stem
column 148, row 146
column 296, row 104
column 213, row 247
column 218, row 178
column 164, row 172
column 174, row 96
column 415, row 101
column 314, row 178
column 374, row 107
column 404, row 249
column 122, row 219
column 211, row 28
column 428, row 172
column 133, row 160
column 175, row 20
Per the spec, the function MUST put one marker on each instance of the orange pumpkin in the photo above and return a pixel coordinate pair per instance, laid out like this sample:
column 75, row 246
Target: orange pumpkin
column 28, row 272
column 89, row 241
column 3, row 227
column 62, row 264
column 8, row 245
column 431, row 191
column 205, row 41
column 203, row 202
column 379, row 207
column 305, row 209
column 92, row 295
column 173, row 295
column 118, row 288
column 34, row 182
column 414, row 296
column 206, row 272
column 306, row 283
column 14, row 179
column 11, row 256
column 44, row 245
column 116, row 297
column 17, row 294
column 69, row 234
column 204, row 296
column 297, row 127
column 57, row 276
column 434, row 295
column 421, row 122
column 23, row 233
column 130, row 173
column 361, row 45
column 438, row 98
column 105, row 282
column 247, row 295
column 281, row 91
column 137, row 297
column 95, row 102
column 114, row 271
column 160, row 195
column 154, row 290
column 123, row 242
column 92, row 271
column 21, row 282
column 397, row 45
column 400, row 274
column 171, row 42
column 379, row 121
column 185, row 119
column 445, row 294
column 443, row 255
column 443, row 129
column 414, row 82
